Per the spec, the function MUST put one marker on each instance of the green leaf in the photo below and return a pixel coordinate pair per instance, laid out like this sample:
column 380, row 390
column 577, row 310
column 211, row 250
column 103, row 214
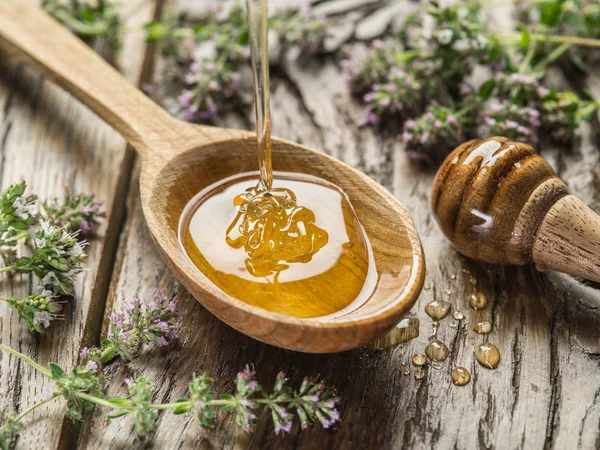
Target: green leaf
column 242, row 38
column 3, row 443
column 183, row 408
column 106, row 343
column 119, row 402
column 154, row 31
column 117, row 414
column 486, row 89
column 551, row 13
column 525, row 37
column 201, row 32
column 56, row 370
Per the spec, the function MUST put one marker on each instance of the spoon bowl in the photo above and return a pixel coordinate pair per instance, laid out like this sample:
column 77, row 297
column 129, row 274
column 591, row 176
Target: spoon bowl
column 180, row 159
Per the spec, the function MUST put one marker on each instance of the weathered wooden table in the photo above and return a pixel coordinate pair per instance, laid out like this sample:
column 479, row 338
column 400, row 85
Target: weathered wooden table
column 545, row 394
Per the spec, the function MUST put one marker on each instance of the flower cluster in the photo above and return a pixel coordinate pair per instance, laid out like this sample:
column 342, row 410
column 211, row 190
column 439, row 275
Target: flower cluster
column 399, row 95
column 18, row 213
column 140, row 395
column 362, row 71
column 439, row 127
column 150, row 323
column 37, row 310
column 79, row 212
column 300, row 27
column 207, row 87
column 511, row 120
column 88, row 18
column 448, row 36
column 76, row 387
column 57, row 256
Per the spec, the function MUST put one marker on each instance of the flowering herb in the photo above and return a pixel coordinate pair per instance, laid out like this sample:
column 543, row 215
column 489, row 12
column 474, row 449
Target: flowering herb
column 449, row 39
column 37, row 310
column 56, row 253
column 82, row 388
column 439, row 127
column 88, row 18
column 150, row 323
column 79, row 212
column 438, row 47
column 57, row 256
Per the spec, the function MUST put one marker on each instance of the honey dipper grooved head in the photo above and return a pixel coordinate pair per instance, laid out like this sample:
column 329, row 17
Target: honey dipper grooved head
column 500, row 202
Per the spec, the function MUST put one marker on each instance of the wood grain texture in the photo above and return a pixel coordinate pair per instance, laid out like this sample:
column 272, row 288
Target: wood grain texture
column 544, row 395
column 53, row 142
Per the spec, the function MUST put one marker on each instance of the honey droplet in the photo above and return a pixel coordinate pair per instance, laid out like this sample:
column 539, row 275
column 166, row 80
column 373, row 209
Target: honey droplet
column 448, row 292
column 438, row 309
column 483, row 327
column 406, row 330
column 488, row 356
column 458, row 315
column 426, row 286
column 477, row 301
column 466, row 271
column 419, row 359
column 437, row 350
column 406, row 371
column 472, row 280
column 453, row 276
column 460, row 376
column 419, row 374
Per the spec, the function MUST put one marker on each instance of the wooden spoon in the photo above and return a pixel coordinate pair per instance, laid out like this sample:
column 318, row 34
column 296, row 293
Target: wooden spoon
column 180, row 159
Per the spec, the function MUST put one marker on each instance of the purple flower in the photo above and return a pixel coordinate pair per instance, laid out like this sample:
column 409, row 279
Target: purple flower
column 185, row 98
column 410, row 124
column 128, row 381
column 489, row 121
column 85, row 352
column 162, row 342
column 91, row 365
column 285, row 427
column 85, row 227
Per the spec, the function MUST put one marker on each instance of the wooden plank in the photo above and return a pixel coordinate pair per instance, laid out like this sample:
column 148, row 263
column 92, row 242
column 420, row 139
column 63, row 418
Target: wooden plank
column 52, row 141
column 544, row 394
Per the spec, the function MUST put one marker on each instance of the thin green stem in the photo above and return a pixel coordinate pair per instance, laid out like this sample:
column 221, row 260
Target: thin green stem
column 7, row 268
column 22, row 234
column 528, row 57
column 96, row 400
column 34, row 407
column 553, row 56
column 29, row 361
column 515, row 38
column 81, row 27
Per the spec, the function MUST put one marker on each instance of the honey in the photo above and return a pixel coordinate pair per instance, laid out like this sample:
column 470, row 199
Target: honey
column 304, row 261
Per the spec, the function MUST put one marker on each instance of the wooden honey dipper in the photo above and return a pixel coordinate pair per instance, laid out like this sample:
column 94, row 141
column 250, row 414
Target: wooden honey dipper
column 500, row 202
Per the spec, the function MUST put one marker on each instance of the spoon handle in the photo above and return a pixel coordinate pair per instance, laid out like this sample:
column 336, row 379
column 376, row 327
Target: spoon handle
column 32, row 36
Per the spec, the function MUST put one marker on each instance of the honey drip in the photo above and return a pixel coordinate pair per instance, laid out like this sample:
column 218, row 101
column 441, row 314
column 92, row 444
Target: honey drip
column 406, row 330
column 274, row 231
column 488, row 356
column 460, row 376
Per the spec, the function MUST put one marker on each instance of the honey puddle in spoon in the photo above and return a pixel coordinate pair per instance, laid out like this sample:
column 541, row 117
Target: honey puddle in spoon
column 286, row 242
column 298, row 249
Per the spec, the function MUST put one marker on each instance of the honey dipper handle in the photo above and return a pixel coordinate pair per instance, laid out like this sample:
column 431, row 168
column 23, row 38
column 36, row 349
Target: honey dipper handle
column 32, row 36
column 568, row 240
